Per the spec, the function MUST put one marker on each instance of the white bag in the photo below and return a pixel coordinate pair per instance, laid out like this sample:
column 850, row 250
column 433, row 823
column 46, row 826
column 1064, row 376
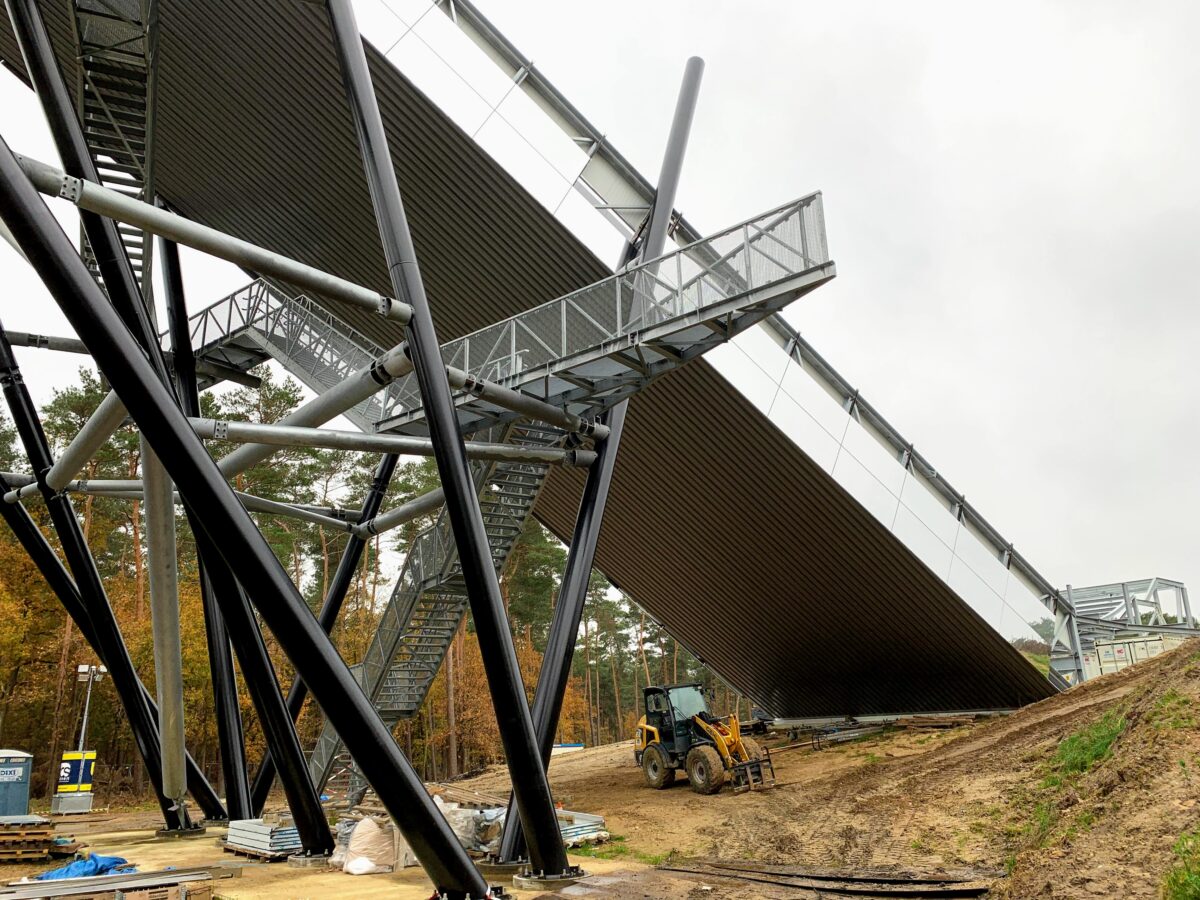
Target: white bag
column 371, row 849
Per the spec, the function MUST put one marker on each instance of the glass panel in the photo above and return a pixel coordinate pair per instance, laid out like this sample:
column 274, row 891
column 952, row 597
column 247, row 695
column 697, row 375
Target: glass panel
column 977, row 594
column 981, row 558
column 756, row 385
column 762, row 350
column 923, row 542
column 804, row 431
column 874, row 456
column 865, row 488
column 439, row 82
column 378, row 23
column 1026, row 604
column 820, row 404
column 521, row 161
column 929, row 508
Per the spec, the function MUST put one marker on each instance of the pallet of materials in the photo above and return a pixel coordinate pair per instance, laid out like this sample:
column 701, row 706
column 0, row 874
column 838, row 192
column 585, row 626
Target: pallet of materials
column 169, row 885
column 262, row 840
column 25, row 838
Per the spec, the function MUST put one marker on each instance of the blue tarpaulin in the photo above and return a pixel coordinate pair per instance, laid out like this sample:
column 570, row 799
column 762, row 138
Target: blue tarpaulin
column 84, row 868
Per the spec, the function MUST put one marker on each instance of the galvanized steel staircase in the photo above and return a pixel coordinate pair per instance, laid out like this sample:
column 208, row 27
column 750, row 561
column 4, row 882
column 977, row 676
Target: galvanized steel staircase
column 430, row 599
column 113, row 40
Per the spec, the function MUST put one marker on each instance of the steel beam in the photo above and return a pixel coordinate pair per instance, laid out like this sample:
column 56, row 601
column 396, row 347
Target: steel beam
column 88, row 195
column 319, row 410
column 87, row 578
column 572, row 595
column 226, row 706
column 46, row 342
column 60, row 582
column 532, row 788
column 293, row 436
column 327, row 616
column 237, row 540
column 516, row 401
column 426, row 503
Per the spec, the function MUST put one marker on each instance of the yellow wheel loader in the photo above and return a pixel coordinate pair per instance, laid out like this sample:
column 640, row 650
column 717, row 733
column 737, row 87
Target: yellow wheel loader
column 678, row 733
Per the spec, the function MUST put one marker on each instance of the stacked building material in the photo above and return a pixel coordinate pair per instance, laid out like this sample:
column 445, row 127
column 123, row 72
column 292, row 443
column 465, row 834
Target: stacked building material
column 262, row 839
column 24, row 838
column 180, row 885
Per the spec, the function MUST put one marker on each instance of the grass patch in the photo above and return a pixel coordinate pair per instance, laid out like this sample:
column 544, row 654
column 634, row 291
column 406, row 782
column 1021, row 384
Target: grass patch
column 1173, row 710
column 1040, row 661
column 617, row 848
column 1183, row 881
column 1088, row 746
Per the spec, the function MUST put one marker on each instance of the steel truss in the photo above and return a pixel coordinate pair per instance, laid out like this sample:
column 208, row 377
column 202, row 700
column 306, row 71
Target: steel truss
column 533, row 388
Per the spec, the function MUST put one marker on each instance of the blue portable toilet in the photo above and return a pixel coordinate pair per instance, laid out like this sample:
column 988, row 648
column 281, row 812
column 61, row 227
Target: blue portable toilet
column 15, row 769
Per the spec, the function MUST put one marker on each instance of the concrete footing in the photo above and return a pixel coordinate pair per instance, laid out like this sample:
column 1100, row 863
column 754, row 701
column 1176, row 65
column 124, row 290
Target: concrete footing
column 527, row 881
column 180, row 833
column 313, row 861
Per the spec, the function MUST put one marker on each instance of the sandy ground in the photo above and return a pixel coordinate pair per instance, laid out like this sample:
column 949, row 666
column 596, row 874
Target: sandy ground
column 971, row 799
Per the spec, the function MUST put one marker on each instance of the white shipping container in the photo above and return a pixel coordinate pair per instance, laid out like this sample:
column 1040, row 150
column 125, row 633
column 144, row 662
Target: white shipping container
column 1112, row 656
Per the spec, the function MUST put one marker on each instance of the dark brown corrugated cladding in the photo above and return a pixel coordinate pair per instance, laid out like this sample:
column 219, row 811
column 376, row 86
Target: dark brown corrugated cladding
column 717, row 523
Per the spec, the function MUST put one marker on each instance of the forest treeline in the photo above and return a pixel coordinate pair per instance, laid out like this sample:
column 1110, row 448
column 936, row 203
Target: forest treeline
column 619, row 650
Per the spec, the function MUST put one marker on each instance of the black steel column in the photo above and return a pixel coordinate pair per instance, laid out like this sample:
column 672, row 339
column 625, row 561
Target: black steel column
column 572, row 594
column 530, row 784
column 102, row 233
column 87, row 578
column 568, row 612
column 268, row 703
column 228, row 713
column 237, row 539
column 35, row 544
column 327, row 617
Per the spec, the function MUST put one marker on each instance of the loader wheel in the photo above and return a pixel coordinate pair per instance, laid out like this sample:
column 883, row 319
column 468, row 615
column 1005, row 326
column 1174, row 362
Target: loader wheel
column 706, row 772
column 753, row 751
column 658, row 773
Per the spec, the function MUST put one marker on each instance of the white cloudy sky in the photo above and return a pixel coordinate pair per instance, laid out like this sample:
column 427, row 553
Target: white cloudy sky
column 1011, row 199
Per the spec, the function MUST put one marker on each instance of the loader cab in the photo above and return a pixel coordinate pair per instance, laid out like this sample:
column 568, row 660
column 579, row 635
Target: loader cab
column 670, row 710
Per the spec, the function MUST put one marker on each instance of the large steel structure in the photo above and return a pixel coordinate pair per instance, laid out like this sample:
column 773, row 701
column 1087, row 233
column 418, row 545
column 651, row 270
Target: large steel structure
column 569, row 415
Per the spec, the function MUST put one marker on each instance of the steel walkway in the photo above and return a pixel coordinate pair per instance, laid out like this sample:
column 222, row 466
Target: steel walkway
column 582, row 352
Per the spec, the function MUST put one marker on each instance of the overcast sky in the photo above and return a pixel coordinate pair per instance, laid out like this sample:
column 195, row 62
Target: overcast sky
column 1011, row 199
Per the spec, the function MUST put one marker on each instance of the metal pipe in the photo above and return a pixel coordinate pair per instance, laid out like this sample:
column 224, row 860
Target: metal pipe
column 532, row 788
column 327, row 616
column 88, row 195
column 102, row 425
column 430, row 501
column 46, row 342
column 164, row 620
column 238, row 542
column 293, row 436
column 83, row 566
column 346, row 394
column 524, row 404
column 226, row 706
column 59, row 580
column 572, row 595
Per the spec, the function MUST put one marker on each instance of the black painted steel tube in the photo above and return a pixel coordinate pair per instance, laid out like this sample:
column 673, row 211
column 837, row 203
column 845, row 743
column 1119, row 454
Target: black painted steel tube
column 102, row 233
column 35, row 544
column 230, row 737
column 568, row 612
column 572, row 594
column 87, row 578
column 327, row 616
column 530, row 784
column 235, row 535
column 263, row 686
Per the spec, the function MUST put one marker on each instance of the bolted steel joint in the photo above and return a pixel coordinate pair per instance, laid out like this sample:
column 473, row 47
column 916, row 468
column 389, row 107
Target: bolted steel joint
column 71, row 188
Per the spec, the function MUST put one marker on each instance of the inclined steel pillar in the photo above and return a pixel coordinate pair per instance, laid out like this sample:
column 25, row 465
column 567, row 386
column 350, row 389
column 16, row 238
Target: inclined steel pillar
column 327, row 617
column 572, row 594
column 226, row 708
column 102, row 234
column 263, row 687
column 530, row 784
column 236, row 538
column 35, row 544
column 79, row 557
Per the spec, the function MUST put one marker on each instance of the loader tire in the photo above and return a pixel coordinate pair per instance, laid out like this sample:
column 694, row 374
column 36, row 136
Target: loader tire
column 706, row 771
column 658, row 772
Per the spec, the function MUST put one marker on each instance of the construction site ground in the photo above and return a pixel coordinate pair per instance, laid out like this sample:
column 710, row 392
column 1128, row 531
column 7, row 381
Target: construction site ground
column 992, row 799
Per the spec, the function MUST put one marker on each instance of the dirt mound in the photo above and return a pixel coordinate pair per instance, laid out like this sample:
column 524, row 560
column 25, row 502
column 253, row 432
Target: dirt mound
column 1084, row 794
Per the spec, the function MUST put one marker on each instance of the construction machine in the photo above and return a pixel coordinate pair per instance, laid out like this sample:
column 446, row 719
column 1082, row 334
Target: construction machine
column 679, row 733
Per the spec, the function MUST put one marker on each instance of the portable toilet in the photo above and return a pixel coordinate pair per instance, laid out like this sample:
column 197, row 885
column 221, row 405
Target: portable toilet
column 15, row 769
